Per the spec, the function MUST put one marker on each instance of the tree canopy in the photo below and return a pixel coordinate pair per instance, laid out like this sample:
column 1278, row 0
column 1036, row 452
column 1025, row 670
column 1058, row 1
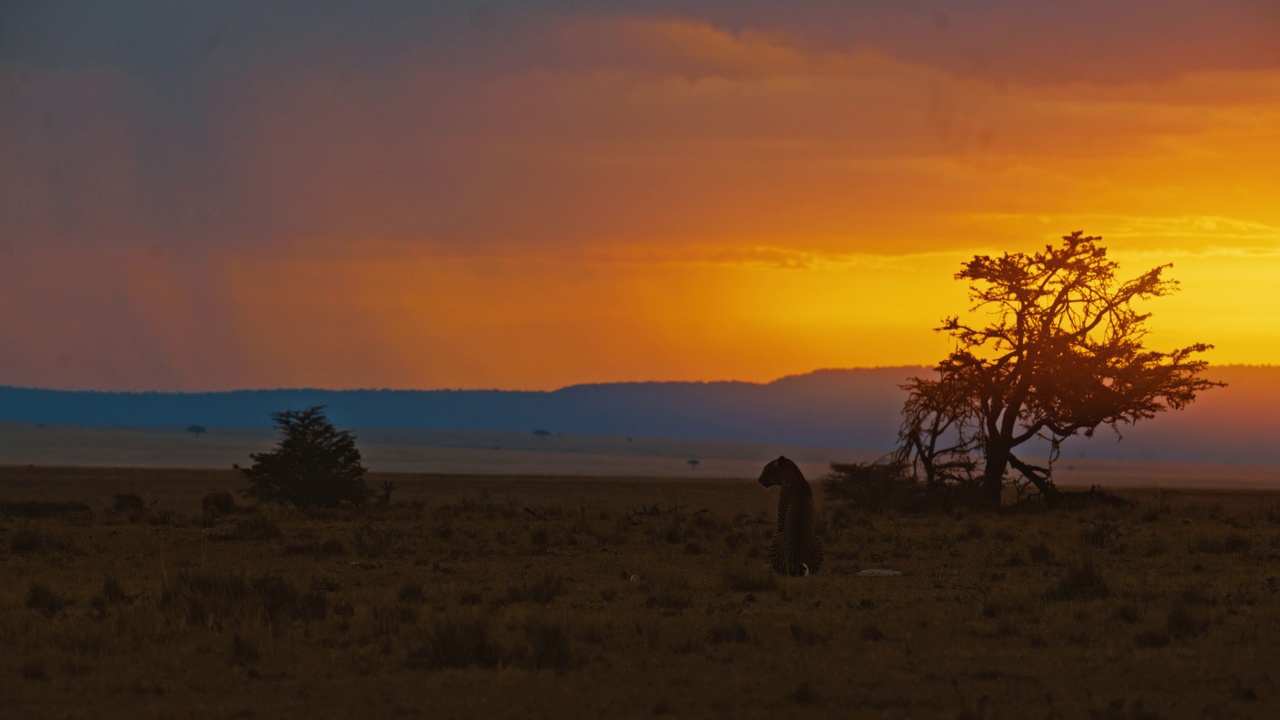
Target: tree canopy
column 313, row 465
column 1062, row 353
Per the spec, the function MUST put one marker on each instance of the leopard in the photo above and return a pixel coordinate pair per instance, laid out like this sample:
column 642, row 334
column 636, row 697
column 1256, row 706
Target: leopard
column 794, row 549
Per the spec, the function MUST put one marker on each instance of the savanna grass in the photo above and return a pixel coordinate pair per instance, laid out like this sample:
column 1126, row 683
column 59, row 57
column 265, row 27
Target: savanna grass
column 478, row 597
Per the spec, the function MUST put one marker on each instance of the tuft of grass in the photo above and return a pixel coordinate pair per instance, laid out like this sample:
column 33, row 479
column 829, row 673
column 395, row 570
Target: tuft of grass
column 112, row 595
column 1126, row 613
column 805, row 694
column 34, row 670
column 871, row 632
column 315, row 548
column 1185, row 625
column 1040, row 554
column 243, row 652
column 670, row 599
column 1151, row 639
column 730, row 632
column 411, row 593
column 741, row 579
column 807, row 634
column 31, row 541
column 45, row 601
column 541, row 591
column 1082, row 580
column 451, row 643
column 547, row 647
column 251, row 529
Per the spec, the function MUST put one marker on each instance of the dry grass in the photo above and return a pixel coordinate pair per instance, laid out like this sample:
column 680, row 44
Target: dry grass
column 483, row 597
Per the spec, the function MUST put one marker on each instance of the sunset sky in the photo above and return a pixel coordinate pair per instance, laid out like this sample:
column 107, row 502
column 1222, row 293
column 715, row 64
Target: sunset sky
column 525, row 195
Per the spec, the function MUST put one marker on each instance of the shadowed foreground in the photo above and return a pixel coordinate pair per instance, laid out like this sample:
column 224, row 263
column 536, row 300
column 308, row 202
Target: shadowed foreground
column 557, row 597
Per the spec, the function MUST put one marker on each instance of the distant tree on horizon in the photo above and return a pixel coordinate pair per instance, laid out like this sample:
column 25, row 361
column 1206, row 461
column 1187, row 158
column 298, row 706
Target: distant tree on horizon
column 313, row 465
column 693, row 464
column 196, row 430
column 1062, row 354
column 542, row 434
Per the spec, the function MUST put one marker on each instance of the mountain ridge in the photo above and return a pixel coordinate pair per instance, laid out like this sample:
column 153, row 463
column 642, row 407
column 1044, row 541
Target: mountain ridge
column 853, row 408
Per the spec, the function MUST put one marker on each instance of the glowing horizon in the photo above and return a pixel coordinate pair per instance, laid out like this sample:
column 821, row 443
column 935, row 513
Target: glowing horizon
column 531, row 199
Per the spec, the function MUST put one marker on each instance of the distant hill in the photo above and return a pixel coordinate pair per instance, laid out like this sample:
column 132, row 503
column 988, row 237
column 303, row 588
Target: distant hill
column 854, row 409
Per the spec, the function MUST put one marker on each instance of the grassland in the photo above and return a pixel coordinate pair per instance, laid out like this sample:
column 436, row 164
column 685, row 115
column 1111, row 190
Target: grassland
column 578, row 597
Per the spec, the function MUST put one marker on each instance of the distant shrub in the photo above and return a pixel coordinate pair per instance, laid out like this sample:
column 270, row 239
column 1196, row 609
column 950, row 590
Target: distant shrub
column 888, row 486
column 314, row 465
column 128, row 503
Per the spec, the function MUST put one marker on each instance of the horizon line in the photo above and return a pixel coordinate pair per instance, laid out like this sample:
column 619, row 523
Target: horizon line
column 815, row 371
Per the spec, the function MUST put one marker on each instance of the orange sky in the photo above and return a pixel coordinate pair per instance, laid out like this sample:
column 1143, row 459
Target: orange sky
column 530, row 200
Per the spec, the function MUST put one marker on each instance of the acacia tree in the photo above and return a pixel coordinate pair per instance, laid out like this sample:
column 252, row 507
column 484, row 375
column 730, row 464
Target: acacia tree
column 313, row 465
column 1062, row 355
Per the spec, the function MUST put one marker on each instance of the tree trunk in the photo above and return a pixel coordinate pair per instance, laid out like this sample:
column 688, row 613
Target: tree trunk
column 1040, row 478
column 997, row 457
